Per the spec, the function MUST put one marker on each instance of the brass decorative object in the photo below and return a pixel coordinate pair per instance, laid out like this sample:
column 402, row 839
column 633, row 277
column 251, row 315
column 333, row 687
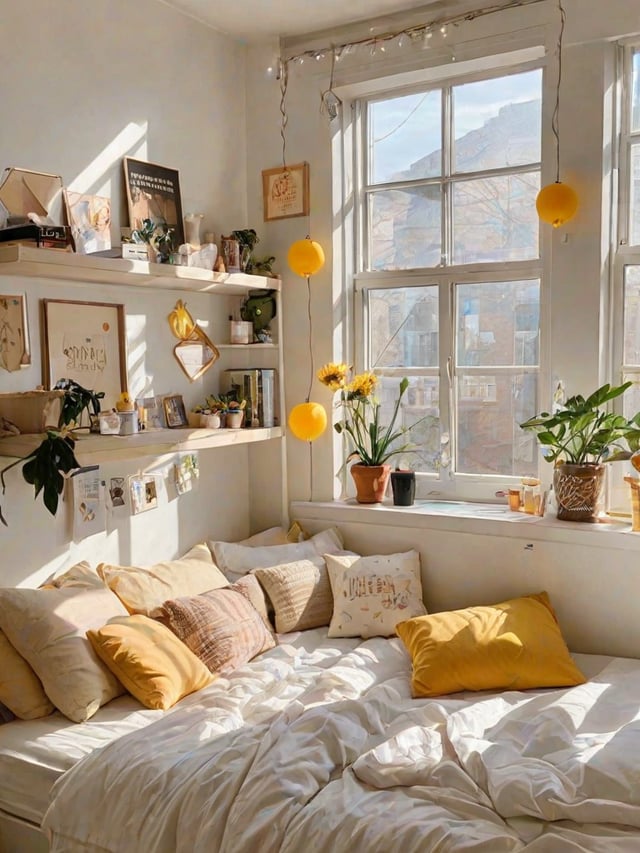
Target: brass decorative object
column 195, row 352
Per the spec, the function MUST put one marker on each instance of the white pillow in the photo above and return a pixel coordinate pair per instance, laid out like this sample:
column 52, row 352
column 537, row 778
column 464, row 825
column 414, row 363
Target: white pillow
column 372, row 594
column 236, row 560
column 271, row 536
column 48, row 628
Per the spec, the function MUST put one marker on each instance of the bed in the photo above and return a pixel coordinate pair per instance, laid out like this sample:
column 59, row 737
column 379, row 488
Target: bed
column 319, row 741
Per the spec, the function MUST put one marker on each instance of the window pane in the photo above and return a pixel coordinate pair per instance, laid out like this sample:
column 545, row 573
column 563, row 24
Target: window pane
column 635, row 92
column 495, row 219
column 497, row 122
column 631, row 355
column 403, row 327
column 405, row 228
column 498, row 323
column 490, row 410
column 405, row 138
column 634, row 196
column 420, row 410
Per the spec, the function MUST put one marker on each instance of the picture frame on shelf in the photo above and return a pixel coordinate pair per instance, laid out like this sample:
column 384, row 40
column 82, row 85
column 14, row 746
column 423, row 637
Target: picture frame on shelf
column 85, row 341
column 153, row 192
column 15, row 351
column 285, row 191
column 89, row 217
column 175, row 412
column 230, row 251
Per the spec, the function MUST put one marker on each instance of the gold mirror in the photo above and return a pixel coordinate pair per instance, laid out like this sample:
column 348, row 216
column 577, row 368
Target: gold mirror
column 195, row 353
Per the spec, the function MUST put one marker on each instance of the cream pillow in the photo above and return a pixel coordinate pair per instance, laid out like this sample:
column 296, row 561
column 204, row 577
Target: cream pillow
column 48, row 628
column 300, row 593
column 142, row 590
column 236, row 560
column 80, row 575
column 149, row 660
column 20, row 688
column 372, row 594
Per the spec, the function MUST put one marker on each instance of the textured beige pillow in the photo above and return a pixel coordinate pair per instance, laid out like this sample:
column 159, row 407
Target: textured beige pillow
column 142, row 590
column 80, row 575
column 48, row 628
column 236, row 560
column 221, row 627
column 149, row 660
column 300, row 593
column 20, row 688
column 372, row 594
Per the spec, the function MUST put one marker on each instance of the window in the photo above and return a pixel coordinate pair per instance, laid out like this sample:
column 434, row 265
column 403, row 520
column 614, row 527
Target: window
column 449, row 283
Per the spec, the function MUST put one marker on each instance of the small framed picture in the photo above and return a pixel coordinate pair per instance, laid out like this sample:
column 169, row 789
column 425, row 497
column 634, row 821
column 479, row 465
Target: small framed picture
column 285, row 191
column 144, row 492
column 230, row 250
column 175, row 411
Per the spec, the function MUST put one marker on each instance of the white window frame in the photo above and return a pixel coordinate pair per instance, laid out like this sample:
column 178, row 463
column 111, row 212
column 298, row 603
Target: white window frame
column 446, row 484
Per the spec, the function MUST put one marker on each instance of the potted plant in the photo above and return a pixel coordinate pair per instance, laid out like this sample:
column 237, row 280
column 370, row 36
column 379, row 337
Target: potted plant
column 45, row 467
column 579, row 438
column 372, row 442
column 248, row 240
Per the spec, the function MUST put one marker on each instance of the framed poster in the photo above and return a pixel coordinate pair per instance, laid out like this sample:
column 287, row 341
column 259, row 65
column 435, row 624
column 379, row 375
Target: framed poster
column 153, row 192
column 84, row 341
column 285, row 191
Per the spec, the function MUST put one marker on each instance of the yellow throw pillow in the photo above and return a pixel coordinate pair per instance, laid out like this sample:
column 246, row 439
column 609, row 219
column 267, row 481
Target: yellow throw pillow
column 142, row 590
column 20, row 688
column 513, row 645
column 149, row 660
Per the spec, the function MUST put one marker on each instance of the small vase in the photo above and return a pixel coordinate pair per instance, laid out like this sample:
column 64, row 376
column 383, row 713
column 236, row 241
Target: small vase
column 233, row 420
column 210, row 421
column 192, row 223
column 403, row 487
column 371, row 482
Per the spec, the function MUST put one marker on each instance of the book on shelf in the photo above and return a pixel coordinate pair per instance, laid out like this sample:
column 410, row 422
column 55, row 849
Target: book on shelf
column 40, row 236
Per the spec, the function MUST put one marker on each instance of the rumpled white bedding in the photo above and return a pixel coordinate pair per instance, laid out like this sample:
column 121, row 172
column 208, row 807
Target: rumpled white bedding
column 321, row 748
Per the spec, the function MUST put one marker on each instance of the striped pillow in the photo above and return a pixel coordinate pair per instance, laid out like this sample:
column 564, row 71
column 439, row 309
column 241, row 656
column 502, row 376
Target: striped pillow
column 221, row 627
column 300, row 593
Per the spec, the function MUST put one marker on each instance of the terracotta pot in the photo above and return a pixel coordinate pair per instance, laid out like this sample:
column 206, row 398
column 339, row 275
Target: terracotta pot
column 371, row 482
column 578, row 489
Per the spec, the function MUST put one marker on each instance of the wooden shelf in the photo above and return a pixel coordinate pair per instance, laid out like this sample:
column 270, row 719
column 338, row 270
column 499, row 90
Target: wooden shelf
column 49, row 263
column 92, row 449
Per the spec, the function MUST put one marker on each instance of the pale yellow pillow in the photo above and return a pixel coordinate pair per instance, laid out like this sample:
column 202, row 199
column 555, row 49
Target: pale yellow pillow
column 143, row 590
column 20, row 688
column 372, row 594
column 80, row 575
column 149, row 660
column 513, row 645
column 48, row 628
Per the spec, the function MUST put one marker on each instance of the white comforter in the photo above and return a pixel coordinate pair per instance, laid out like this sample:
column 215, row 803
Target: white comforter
column 320, row 748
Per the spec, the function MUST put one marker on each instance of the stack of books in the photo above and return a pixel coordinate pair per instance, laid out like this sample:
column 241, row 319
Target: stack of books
column 40, row 236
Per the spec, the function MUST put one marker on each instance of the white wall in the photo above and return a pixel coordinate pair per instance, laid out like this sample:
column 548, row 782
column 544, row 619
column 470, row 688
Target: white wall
column 82, row 85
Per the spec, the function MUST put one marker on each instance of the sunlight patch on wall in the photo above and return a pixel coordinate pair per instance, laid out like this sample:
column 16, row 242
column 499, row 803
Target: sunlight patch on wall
column 92, row 178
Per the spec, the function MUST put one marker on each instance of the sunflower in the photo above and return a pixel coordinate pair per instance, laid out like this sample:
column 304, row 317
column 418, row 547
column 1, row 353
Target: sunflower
column 334, row 376
column 362, row 385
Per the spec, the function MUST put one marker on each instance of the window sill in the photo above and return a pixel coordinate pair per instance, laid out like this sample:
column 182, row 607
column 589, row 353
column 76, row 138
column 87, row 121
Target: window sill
column 466, row 517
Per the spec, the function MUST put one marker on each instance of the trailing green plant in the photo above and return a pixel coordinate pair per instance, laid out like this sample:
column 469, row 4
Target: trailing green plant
column 582, row 431
column 46, row 466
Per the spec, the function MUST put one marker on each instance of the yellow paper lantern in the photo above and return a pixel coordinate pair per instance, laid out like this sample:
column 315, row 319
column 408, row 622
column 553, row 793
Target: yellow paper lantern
column 306, row 257
column 307, row 421
column 557, row 203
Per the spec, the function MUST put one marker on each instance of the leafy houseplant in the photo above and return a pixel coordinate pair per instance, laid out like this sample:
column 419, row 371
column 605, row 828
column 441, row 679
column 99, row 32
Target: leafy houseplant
column 372, row 442
column 248, row 240
column 44, row 468
column 578, row 438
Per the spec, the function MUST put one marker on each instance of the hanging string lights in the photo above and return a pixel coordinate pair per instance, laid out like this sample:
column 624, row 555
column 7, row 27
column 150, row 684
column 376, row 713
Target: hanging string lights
column 557, row 203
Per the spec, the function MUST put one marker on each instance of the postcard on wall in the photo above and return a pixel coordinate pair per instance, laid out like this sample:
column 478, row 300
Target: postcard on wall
column 153, row 192
column 84, row 341
column 89, row 516
column 186, row 472
column 14, row 337
column 117, row 496
column 90, row 219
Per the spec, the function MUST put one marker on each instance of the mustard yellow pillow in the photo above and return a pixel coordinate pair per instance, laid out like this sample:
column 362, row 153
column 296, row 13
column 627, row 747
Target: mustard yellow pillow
column 514, row 645
column 149, row 660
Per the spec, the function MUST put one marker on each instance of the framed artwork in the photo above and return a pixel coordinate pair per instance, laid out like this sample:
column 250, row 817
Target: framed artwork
column 84, row 341
column 285, row 191
column 90, row 219
column 143, row 490
column 14, row 333
column 175, row 412
column 230, row 251
column 153, row 192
